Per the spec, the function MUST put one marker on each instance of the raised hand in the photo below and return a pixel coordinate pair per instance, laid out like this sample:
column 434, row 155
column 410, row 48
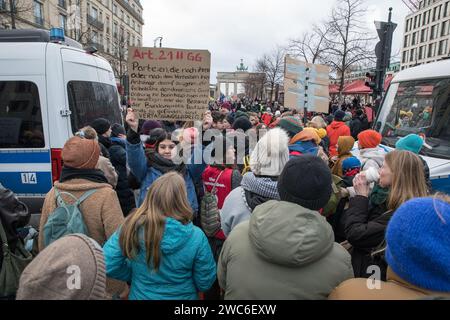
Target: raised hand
column 132, row 120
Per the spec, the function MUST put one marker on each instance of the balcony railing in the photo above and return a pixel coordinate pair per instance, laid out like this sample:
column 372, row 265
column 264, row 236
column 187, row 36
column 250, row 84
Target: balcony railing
column 97, row 45
column 131, row 10
column 39, row 20
column 95, row 22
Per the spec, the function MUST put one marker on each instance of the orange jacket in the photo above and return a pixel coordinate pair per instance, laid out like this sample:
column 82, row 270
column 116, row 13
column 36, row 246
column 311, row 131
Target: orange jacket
column 335, row 130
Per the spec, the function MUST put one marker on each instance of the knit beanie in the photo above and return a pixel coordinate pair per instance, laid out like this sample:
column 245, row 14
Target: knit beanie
column 117, row 129
column 101, row 125
column 149, row 125
column 306, row 181
column 80, row 153
column 242, row 123
column 351, row 163
column 339, row 115
column 345, row 144
column 271, row 153
column 412, row 142
column 307, row 134
column 239, row 114
column 418, row 243
column 291, row 125
column 53, row 274
column 369, row 139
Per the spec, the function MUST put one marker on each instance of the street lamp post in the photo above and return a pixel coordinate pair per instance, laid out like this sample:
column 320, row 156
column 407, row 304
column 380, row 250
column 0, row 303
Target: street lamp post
column 160, row 40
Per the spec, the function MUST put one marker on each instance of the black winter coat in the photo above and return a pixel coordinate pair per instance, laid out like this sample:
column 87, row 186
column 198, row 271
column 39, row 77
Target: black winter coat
column 105, row 144
column 14, row 214
column 118, row 157
column 365, row 230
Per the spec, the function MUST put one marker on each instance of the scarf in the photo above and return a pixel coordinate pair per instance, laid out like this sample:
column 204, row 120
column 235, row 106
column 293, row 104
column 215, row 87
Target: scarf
column 155, row 160
column 93, row 175
column 378, row 195
column 264, row 187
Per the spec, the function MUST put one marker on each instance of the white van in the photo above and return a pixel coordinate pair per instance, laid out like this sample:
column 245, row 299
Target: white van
column 47, row 92
column 418, row 101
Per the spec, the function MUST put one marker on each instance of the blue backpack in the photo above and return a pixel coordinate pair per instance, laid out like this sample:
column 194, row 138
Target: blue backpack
column 66, row 218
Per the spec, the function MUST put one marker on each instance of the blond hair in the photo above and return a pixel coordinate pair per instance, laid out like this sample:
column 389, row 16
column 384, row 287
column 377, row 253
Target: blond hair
column 167, row 197
column 408, row 178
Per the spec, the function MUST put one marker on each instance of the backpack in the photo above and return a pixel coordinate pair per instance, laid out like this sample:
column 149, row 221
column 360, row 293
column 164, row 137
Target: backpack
column 335, row 198
column 66, row 218
column 209, row 212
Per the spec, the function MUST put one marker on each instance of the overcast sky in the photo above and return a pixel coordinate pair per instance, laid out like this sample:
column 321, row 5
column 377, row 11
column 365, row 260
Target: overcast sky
column 235, row 29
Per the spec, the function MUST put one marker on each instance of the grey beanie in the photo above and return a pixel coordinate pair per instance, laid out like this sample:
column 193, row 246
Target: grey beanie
column 52, row 274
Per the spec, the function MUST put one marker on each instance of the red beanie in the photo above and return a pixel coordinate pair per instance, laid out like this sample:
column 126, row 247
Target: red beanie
column 369, row 139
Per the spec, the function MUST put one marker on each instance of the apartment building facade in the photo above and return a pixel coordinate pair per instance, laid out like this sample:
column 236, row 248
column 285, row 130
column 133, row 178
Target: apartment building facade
column 427, row 34
column 109, row 25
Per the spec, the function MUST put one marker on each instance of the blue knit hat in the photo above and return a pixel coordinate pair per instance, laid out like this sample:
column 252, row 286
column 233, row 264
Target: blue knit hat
column 411, row 142
column 351, row 163
column 418, row 243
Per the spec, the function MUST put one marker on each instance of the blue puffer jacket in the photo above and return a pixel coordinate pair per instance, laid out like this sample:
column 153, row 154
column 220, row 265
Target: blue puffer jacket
column 187, row 265
column 146, row 175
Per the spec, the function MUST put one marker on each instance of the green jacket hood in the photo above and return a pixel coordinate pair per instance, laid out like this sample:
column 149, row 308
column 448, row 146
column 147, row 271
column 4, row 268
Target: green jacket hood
column 287, row 234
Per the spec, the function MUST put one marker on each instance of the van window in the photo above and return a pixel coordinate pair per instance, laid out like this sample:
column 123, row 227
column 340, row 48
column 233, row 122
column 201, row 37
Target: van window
column 20, row 115
column 421, row 107
column 91, row 100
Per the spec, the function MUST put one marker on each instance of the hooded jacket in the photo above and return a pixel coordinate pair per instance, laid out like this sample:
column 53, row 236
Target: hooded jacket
column 289, row 253
column 334, row 131
column 187, row 265
column 345, row 146
column 240, row 203
column 371, row 158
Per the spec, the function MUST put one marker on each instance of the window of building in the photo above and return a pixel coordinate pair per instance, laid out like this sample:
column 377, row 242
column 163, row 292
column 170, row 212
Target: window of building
column 443, row 47
column 421, row 51
column 107, row 25
column 128, row 20
column 115, row 30
column 444, row 28
column 431, row 48
column 429, row 16
column 405, row 43
column 423, row 35
column 412, row 55
column 94, row 13
column 433, row 32
column 38, row 16
column 447, row 9
column 415, row 21
column 94, row 36
column 121, row 14
column 114, row 8
column 413, row 41
column 405, row 56
column 63, row 21
column 434, row 14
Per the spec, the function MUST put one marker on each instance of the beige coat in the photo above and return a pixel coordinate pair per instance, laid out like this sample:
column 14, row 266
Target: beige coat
column 394, row 288
column 101, row 211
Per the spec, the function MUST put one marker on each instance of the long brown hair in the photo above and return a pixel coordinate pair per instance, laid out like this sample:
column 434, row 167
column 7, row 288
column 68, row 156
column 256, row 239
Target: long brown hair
column 408, row 178
column 167, row 197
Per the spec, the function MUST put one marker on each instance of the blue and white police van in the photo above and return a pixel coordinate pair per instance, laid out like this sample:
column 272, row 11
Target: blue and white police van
column 49, row 88
column 418, row 101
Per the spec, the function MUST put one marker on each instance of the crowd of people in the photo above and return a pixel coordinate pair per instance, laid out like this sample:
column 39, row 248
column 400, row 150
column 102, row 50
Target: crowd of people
column 253, row 202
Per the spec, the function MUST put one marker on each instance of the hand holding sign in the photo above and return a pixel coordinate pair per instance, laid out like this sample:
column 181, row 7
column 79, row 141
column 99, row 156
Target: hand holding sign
column 132, row 120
